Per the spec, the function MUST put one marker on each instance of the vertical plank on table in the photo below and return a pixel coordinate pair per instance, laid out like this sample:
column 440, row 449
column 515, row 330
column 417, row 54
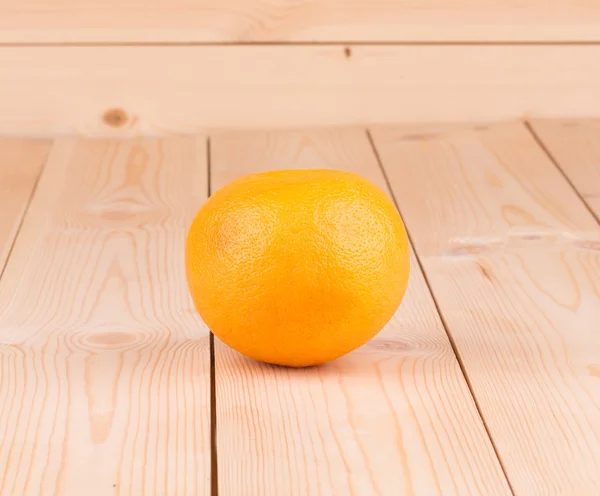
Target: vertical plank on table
column 505, row 243
column 21, row 161
column 104, row 380
column 394, row 417
column 575, row 145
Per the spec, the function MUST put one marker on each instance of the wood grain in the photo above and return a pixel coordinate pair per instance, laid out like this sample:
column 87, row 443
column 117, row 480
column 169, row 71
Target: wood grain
column 123, row 91
column 21, row 162
column 104, row 380
column 395, row 416
column 575, row 145
column 35, row 21
column 513, row 259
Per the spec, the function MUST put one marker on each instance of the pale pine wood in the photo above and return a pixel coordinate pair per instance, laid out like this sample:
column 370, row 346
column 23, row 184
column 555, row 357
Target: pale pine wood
column 394, row 417
column 50, row 90
column 512, row 256
column 104, row 364
column 37, row 21
column 576, row 147
column 20, row 164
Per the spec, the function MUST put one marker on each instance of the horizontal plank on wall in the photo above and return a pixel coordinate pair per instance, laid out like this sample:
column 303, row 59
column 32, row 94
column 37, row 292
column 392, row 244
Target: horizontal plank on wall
column 33, row 21
column 157, row 90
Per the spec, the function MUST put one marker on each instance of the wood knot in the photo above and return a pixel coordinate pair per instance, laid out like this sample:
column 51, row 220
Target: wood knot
column 112, row 339
column 485, row 271
column 588, row 245
column 594, row 370
column 390, row 345
column 115, row 117
column 571, row 124
column 463, row 250
column 419, row 136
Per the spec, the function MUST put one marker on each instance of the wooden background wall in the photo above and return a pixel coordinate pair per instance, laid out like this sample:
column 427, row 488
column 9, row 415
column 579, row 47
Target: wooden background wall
column 159, row 66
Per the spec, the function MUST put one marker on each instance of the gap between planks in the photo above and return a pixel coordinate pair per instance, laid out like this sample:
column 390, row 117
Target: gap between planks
column 214, row 460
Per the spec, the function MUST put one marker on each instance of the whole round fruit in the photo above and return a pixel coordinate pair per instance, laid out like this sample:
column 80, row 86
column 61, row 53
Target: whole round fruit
column 297, row 267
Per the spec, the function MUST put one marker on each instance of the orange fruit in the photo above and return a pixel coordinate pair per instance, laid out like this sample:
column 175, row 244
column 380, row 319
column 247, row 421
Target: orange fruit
column 297, row 267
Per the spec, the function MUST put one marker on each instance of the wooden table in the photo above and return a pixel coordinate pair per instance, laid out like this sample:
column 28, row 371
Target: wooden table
column 486, row 382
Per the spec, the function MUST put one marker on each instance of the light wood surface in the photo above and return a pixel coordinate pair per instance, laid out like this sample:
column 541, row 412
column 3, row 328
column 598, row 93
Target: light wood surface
column 21, row 162
column 394, row 417
column 576, row 147
column 131, row 90
column 512, row 256
column 35, row 21
column 104, row 365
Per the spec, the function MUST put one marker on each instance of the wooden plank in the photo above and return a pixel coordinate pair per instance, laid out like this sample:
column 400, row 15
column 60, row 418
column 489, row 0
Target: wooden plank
column 33, row 21
column 131, row 90
column 512, row 256
column 21, row 162
column 576, row 147
column 105, row 368
column 395, row 416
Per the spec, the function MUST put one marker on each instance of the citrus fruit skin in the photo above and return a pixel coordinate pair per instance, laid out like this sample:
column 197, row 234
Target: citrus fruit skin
column 297, row 267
